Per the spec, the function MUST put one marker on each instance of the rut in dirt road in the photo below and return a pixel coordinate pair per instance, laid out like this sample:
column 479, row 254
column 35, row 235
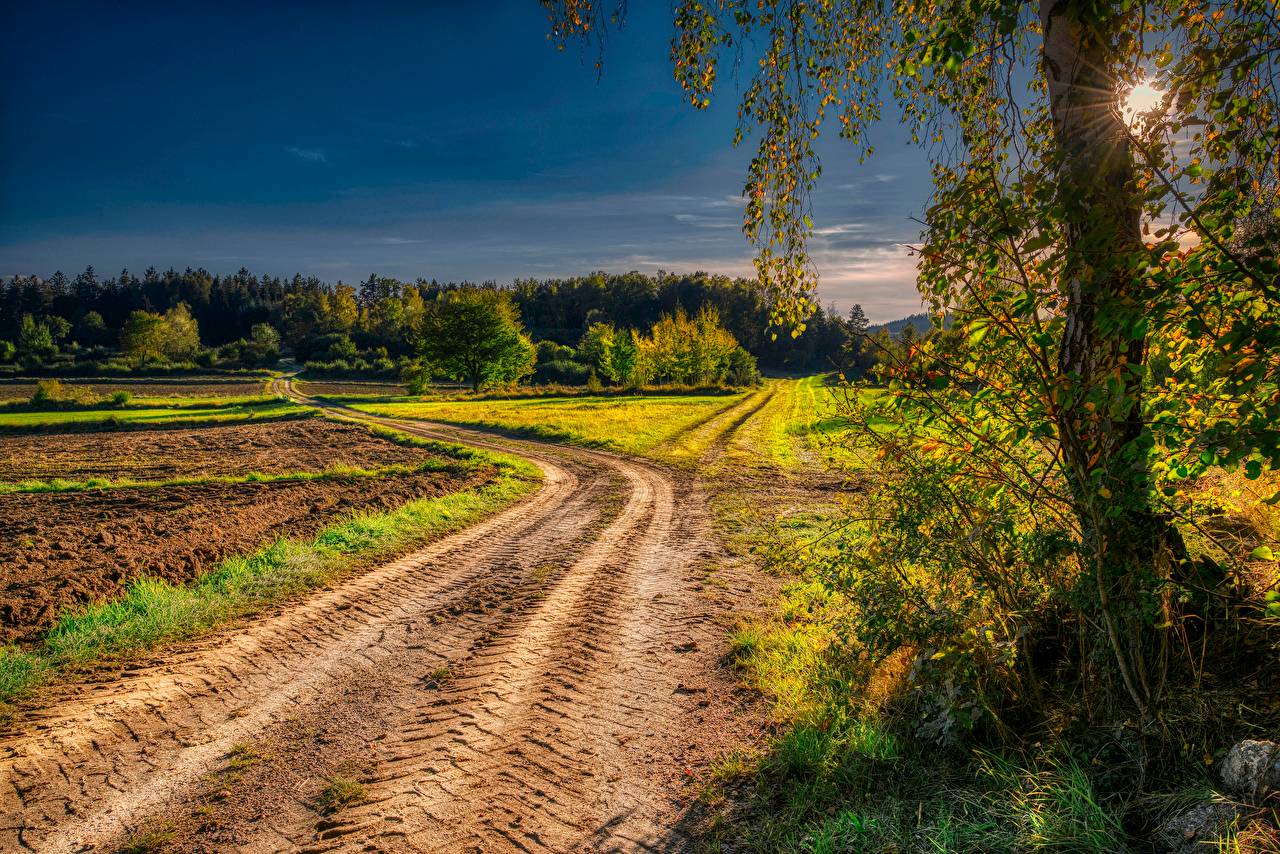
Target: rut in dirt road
column 522, row 685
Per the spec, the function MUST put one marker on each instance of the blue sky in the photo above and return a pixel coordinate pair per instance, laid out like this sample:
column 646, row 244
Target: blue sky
column 445, row 140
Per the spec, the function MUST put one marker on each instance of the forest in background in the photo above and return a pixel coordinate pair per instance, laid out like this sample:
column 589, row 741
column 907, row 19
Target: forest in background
column 244, row 321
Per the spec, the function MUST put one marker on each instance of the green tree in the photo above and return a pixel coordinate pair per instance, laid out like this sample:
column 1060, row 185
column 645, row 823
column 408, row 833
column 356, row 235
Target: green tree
column 1069, row 246
column 688, row 350
column 92, row 329
column 143, row 336
column 35, row 342
column 182, row 334
column 264, row 335
column 59, row 328
column 474, row 334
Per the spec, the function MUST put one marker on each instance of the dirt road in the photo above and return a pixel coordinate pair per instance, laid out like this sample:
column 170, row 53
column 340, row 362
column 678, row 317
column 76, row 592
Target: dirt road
column 542, row 681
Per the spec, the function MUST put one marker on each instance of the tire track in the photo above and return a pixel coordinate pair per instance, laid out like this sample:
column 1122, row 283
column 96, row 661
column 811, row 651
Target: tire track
column 538, row 742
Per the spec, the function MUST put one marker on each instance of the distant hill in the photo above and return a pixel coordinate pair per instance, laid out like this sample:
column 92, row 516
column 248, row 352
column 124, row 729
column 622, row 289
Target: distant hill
column 919, row 321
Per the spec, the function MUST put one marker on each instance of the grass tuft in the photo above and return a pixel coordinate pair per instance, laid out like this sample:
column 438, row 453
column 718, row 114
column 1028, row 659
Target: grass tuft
column 146, row 842
column 340, row 792
column 20, row 671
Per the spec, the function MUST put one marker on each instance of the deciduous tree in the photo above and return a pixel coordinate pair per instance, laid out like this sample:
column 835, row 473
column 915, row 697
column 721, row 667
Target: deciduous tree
column 474, row 334
column 1070, row 246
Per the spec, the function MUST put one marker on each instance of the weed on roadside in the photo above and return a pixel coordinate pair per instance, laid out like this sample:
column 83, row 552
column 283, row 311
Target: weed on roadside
column 246, row 755
column 146, row 842
column 340, row 791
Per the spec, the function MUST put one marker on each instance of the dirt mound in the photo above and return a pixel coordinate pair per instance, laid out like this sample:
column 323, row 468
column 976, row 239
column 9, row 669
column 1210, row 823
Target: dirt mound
column 273, row 447
column 69, row 548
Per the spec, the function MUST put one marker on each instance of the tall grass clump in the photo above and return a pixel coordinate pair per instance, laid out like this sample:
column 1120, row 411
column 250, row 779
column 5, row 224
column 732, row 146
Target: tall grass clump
column 19, row 672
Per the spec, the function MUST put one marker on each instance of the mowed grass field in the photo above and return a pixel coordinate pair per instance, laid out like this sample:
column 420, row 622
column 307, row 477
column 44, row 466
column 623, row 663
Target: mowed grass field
column 633, row 425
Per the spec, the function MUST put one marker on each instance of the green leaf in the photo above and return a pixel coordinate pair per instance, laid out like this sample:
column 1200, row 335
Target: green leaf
column 1262, row 553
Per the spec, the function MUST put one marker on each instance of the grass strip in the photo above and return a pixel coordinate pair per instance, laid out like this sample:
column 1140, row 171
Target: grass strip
column 258, row 409
column 335, row 472
column 153, row 611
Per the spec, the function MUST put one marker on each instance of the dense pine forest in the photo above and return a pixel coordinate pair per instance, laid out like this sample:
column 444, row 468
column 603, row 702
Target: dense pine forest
column 164, row 321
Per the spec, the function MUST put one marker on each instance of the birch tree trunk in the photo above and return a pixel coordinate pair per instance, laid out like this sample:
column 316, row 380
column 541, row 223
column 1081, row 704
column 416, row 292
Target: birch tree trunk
column 1104, row 441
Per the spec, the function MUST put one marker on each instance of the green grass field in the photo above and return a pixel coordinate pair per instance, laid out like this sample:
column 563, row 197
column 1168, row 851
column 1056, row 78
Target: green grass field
column 157, row 411
column 632, row 425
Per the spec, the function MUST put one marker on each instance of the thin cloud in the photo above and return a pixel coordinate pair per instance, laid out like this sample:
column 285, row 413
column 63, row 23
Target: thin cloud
column 311, row 155
column 706, row 221
column 843, row 228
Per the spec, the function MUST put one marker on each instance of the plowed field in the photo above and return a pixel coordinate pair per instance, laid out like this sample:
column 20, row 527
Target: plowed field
column 60, row 549
column 309, row 445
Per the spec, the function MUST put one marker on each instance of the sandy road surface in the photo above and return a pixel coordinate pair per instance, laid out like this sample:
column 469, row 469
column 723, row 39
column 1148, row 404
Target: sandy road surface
column 528, row 684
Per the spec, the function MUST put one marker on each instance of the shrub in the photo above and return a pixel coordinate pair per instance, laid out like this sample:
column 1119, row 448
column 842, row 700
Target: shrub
column 562, row 371
column 742, row 369
column 342, row 350
column 47, row 391
column 121, row 398
column 593, row 384
column 417, row 377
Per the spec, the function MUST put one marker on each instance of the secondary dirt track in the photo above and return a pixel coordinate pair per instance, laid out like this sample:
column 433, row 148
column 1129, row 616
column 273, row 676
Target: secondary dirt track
column 580, row 655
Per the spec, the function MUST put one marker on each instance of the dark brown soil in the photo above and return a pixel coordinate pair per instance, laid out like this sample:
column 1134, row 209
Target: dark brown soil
column 273, row 447
column 64, row 549
column 338, row 388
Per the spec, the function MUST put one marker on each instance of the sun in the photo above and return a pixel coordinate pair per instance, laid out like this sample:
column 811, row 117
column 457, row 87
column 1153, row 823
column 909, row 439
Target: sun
column 1141, row 99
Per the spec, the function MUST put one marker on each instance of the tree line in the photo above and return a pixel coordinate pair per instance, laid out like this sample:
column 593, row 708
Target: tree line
column 244, row 319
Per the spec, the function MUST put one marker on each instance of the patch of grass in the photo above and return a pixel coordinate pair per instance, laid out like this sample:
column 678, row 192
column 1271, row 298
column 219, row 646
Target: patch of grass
column 146, row 842
column 340, row 791
column 440, row 673
column 688, row 447
column 156, row 412
column 153, row 611
column 20, row 671
column 337, row 471
column 631, row 424
column 843, row 775
column 246, row 755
